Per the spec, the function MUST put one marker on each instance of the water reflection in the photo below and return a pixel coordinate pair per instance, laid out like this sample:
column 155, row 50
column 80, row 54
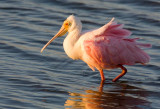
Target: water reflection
column 122, row 96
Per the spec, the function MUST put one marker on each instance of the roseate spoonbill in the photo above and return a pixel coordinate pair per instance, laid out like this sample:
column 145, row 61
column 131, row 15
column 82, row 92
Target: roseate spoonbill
column 107, row 47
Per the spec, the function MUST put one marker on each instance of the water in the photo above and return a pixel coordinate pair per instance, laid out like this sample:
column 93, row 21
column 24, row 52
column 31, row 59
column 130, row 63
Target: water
column 31, row 80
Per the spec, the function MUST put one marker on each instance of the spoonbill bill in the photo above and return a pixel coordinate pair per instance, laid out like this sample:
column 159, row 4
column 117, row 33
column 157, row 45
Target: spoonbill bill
column 107, row 47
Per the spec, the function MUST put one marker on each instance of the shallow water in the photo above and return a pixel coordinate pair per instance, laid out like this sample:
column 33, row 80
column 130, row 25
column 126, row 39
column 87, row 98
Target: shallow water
column 31, row 80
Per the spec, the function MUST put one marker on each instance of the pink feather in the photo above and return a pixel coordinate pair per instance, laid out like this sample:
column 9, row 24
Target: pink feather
column 109, row 47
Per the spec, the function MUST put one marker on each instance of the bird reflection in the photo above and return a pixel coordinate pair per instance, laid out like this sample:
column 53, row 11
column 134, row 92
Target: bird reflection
column 123, row 96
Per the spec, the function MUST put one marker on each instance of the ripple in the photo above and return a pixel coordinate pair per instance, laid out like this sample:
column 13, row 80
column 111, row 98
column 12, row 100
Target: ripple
column 30, row 79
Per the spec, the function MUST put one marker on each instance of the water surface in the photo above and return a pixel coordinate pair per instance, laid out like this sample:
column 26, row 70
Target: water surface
column 31, row 80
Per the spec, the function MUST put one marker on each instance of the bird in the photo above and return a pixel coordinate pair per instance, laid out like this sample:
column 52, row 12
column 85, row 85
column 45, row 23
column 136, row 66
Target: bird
column 107, row 47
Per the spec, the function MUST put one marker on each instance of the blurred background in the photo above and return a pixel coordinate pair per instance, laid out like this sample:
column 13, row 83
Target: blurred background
column 31, row 80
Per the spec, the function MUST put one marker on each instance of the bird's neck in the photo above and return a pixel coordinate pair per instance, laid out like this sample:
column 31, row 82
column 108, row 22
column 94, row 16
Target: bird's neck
column 69, row 43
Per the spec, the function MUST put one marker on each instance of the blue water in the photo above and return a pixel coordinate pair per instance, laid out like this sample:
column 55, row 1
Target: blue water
column 31, row 80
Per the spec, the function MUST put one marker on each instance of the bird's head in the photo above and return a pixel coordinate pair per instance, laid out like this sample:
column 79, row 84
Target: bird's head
column 68, row 25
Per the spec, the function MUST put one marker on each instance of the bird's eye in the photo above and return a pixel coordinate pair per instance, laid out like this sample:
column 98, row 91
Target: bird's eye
column 68, row 24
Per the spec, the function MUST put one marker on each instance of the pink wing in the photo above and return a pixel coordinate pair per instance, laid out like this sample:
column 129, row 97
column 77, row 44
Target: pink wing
column 109, row 46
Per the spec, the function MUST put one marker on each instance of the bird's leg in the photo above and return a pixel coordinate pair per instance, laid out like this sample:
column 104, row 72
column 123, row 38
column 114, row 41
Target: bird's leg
column 101, row 86
column 124, row 71
column 102, row 80
column 102, row 75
